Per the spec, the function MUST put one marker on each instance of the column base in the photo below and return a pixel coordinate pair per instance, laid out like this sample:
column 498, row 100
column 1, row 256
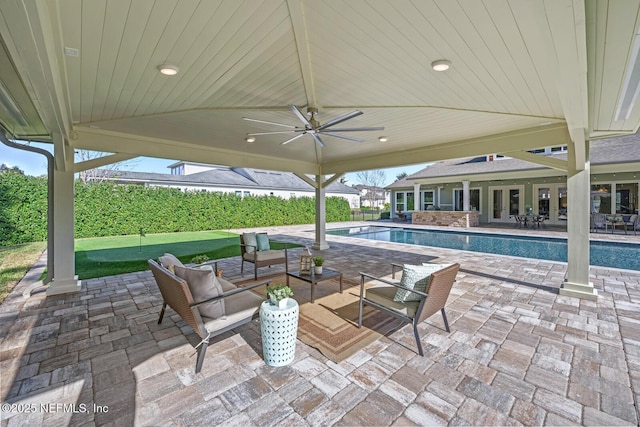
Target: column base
column 320, row 246
column 579, row 290
column 64, row 286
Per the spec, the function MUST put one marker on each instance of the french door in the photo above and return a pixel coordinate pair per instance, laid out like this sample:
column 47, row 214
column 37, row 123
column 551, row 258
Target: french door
column 505, row 202
column 550, row 200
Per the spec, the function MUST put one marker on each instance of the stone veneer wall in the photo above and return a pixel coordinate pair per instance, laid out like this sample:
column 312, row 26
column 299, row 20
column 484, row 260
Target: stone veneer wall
column 447, row 218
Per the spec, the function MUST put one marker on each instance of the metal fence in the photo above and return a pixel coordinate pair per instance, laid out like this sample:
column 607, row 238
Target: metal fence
column 368, row 214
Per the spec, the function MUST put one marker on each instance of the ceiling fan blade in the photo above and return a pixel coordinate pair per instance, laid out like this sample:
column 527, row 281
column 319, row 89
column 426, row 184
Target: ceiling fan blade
column 273, row 133
column 301, row 116
column 293, row 139
column 341, row 119
column 357, row 129
column 343, row 137
column 318, row 139
column 269, row 123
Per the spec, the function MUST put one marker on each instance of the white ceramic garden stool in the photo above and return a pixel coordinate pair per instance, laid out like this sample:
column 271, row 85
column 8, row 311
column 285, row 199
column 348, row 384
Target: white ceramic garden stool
column 279, row 328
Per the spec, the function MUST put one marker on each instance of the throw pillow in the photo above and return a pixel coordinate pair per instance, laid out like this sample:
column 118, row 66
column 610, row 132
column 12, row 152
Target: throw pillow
column 263, row 242
column 250, row 242
column 415, row 277
column 203, row 285
column 169, row 260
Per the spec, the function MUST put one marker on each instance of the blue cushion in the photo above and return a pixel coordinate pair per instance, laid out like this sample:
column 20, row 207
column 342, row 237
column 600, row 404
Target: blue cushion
column 263, row 242
column 415, row 277
column 250, row 242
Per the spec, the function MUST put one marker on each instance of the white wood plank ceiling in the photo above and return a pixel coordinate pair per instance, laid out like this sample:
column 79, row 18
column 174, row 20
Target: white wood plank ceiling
column 528, row 72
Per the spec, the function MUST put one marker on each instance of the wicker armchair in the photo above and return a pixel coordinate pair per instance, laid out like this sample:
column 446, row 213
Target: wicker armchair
column 415, row 312
column 241, row 306
column 259, row 257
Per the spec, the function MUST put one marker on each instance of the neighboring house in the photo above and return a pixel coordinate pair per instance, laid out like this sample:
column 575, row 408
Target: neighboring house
column 500, row 187
column 373, row 197
column 240, row 181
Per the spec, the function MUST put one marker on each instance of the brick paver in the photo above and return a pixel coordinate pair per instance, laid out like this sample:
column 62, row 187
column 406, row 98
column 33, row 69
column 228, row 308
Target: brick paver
column 518, row 353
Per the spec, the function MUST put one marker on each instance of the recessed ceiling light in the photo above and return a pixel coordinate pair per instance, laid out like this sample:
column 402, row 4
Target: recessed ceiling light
column 383, row 139
column 168, row 70
column 250, row 139
column 441, row 65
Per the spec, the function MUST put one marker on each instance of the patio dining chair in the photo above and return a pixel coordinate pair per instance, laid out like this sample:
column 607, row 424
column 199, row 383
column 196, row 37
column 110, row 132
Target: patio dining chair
column 520, row 220
column 632, row 222
column 599, row 222
column 420, row 294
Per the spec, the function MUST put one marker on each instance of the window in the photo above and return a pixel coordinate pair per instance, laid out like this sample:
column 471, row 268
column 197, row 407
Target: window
column 427, row 199
column 474, row 199
column 404, row 201
column 247, row 193
column 626, row 198
column 400, row 202
column 238, row 193
column 601, row 198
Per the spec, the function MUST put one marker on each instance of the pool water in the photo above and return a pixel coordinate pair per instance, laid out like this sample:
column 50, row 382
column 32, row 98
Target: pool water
column 604, row 254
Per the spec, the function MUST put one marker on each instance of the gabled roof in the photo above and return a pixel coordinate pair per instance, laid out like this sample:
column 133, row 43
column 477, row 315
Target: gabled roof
column 227, row 177
column 609, row 151
column 84, row 75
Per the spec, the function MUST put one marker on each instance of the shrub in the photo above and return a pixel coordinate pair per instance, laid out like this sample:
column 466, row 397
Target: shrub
column 108, row 209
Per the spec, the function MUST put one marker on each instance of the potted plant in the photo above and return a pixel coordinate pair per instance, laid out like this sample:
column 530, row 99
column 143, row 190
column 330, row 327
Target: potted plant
column 317, row 263
column 278, row 295
column 199, row 259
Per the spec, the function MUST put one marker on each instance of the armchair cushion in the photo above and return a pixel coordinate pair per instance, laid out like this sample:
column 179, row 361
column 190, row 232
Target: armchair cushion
column 385, row 295
column 262, row 241
column 273, row 254
column 169, row 261
column 203, row 285
column 415, row 277
column 251, row 242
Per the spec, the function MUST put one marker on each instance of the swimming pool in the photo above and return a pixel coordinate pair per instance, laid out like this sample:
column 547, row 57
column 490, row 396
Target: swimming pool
column 605, row 254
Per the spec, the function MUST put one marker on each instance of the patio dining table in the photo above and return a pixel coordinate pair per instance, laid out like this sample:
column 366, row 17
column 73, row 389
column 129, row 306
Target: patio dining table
column 530, row 220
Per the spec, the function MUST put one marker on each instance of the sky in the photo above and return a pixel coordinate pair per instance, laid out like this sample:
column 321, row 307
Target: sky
column 35, row 164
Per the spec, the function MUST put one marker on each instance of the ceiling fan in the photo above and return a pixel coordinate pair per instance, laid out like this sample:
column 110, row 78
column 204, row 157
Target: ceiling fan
column 313, row 127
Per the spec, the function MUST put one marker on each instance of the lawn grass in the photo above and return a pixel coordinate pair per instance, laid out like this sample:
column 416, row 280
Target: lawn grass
column 15, row 261
column 107, row 256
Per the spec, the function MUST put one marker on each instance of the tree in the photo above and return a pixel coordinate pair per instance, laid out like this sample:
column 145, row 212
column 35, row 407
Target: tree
column 4, row 167
column 373, row 180
column 401, row 175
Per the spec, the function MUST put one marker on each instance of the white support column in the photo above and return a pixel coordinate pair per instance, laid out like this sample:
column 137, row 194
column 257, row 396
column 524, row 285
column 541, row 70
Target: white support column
column 417, row 198
column 321, row 215
column 465, row 196
column 578, row 197
column 64, row 279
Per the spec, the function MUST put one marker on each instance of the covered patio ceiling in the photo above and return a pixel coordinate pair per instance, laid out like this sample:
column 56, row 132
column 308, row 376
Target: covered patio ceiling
column 524, row 74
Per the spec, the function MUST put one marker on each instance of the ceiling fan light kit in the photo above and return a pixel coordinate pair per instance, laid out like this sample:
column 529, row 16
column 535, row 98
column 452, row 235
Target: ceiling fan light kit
column 313, row 127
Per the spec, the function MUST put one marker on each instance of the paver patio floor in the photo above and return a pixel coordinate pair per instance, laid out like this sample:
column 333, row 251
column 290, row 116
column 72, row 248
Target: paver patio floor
column 518, row 353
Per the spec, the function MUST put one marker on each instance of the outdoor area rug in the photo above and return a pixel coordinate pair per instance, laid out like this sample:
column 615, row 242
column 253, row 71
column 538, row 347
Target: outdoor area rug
column 331, row 323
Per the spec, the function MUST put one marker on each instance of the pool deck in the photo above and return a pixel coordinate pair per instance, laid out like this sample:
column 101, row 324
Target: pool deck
column 518, row 353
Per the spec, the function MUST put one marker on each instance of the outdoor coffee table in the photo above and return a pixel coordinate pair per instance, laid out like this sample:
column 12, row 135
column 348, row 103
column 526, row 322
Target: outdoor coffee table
column 315, row 278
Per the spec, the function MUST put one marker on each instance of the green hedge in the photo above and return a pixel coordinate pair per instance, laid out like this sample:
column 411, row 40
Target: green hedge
column 106, row 209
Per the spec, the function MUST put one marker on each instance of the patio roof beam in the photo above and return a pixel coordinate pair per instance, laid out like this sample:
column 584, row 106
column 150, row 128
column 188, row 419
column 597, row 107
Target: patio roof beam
column 102, row 161
column 538, row 159
column 296, row 12
column 555, row 134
